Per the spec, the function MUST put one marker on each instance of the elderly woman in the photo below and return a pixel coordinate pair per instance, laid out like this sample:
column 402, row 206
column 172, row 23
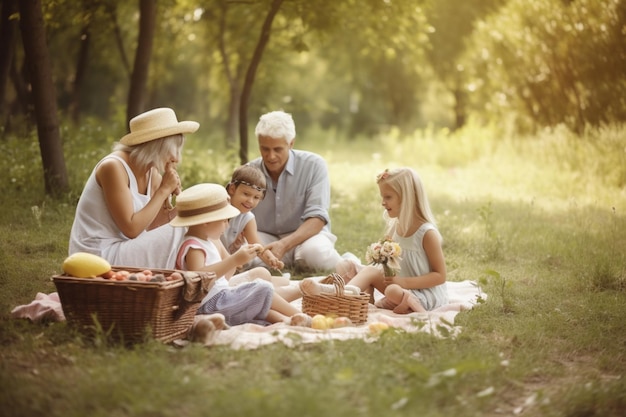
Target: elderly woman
column 124, row 210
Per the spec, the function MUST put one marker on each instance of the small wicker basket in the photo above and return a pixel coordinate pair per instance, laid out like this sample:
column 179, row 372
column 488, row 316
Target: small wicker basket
column 131, row 310
column 352, row 306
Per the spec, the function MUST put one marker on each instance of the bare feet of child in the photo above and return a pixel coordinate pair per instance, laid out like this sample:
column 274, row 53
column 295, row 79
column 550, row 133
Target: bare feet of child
column 310, row 286
column 409, row 304
column 300, row 319
column 347, row 269
column 385, row 304
column 205, row 326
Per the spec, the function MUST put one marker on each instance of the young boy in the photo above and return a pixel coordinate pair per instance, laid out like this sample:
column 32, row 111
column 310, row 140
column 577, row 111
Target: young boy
column 246, row 190
column 205, row 210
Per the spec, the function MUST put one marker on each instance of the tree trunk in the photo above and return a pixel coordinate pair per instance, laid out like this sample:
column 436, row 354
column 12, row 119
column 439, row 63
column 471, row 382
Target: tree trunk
column 22, row 101
column 139, row 78
column 249, row 80
column 8, row 36
column 233, row 76
column 81, row 66
column 38, row 62
column 232, row 119
column 459, row 108
column 111, row 11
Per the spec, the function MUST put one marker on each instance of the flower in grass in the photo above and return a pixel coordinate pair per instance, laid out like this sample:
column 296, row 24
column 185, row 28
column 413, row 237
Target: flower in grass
column 37, row 212
column 385, row 252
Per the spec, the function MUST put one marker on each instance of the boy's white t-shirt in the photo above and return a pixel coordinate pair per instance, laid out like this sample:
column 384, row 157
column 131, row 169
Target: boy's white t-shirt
column 234, row 229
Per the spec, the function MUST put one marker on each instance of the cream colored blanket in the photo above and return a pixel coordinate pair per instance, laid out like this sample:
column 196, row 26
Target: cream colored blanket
column 463, row 295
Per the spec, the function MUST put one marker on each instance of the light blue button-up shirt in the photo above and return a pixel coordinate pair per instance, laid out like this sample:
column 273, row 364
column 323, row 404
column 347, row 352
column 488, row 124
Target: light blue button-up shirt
column 302, row 192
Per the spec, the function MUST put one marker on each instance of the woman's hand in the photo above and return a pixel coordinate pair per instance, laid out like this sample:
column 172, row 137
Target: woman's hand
column 170, row 182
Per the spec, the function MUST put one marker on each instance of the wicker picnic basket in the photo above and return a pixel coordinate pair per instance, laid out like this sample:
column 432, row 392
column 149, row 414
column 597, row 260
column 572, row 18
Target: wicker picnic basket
column 354, row 307
column 131, row 310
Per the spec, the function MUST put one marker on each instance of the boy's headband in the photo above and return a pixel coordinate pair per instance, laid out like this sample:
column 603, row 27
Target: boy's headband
column 256, row 187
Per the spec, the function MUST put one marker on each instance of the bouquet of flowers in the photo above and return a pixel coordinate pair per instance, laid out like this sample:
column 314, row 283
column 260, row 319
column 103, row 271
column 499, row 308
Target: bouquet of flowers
column 387, row 253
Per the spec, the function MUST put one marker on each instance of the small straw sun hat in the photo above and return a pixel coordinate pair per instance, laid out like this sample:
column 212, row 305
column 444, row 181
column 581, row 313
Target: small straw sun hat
column 203, row 203
column 155, row 124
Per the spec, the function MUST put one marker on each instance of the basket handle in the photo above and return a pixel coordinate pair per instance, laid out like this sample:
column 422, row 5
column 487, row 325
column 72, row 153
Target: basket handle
column 336, row 280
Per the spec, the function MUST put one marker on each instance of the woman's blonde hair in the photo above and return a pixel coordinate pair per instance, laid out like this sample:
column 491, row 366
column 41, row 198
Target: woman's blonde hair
column 151, row 153
column 414, row 205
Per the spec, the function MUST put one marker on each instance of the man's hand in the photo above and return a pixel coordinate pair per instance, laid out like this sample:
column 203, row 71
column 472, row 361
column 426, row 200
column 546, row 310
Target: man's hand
column 271, row 260
column 277, row 249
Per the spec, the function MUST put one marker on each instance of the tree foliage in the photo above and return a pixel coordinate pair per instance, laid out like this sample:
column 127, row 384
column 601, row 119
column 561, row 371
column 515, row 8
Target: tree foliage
column 359, row 66
column 450, row 25
column 548, row 62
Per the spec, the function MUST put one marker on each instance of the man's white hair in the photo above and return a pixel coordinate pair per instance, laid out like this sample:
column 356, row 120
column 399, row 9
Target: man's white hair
column 277, row 125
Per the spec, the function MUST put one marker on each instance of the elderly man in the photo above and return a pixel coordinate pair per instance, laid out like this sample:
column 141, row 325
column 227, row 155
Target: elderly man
column 293, row 219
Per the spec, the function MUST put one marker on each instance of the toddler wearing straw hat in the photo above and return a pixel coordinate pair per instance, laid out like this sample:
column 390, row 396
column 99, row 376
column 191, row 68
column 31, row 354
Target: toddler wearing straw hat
column 205, row 210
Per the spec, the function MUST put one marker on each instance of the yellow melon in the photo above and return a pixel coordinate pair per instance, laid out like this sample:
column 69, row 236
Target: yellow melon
column 85, row 265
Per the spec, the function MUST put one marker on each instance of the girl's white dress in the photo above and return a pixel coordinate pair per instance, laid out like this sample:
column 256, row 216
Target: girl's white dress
column 95, row 231
column 415, row 263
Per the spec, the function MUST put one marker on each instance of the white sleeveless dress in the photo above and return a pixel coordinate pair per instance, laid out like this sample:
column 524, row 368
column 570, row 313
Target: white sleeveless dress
column 415, row 263
column 95, row 231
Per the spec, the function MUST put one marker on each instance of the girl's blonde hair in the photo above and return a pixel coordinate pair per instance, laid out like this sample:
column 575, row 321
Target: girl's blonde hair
column 414, row 205
column 152, row 153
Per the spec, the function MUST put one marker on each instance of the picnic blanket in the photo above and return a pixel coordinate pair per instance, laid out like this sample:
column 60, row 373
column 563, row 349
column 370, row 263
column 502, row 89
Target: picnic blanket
column 463, row 295
column 45, row 307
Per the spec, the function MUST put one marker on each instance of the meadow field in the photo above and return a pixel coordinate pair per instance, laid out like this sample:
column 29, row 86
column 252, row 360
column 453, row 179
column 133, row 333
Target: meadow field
column 539, row 221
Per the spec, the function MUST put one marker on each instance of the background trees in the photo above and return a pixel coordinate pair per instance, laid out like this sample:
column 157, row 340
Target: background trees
column 44, row 96
column 139, row 78
column 358, row 67
column 546, row 62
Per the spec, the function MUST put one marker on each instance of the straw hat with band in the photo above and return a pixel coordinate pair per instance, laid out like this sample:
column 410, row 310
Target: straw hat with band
column 203, row 203
column 156, row 124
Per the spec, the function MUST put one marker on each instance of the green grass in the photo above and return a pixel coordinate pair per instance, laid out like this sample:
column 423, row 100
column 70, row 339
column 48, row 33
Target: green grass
column 539, row 222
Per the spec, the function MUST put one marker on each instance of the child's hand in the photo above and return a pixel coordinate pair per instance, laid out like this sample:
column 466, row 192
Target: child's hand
column 258, row 248
column 245, row 254
column 238, row 243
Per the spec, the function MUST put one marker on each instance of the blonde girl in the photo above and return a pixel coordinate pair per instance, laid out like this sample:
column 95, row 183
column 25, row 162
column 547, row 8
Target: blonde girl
column 419, row 285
